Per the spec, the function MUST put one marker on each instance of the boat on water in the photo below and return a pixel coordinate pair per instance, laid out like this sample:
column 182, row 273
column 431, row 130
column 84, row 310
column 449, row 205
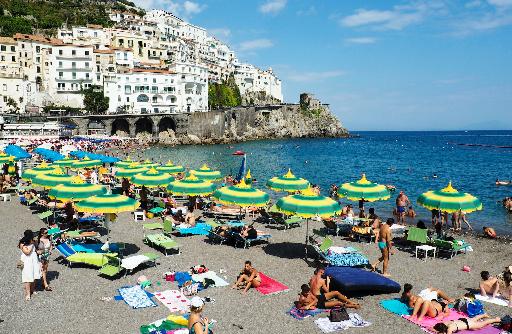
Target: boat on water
column 503, row 183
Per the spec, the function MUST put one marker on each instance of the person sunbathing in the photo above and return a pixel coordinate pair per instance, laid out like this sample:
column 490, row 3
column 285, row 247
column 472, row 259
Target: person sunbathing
column 249, row 277
column 249, row 232
column 307, row 300
column 460, row 324
column 328, row 299
column 427, row 302
column 489, row 284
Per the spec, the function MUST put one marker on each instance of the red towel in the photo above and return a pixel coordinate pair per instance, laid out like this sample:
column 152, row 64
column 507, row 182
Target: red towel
column 270, row 286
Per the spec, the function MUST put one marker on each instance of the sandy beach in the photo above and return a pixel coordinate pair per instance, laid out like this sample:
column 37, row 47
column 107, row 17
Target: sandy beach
column 75, row 305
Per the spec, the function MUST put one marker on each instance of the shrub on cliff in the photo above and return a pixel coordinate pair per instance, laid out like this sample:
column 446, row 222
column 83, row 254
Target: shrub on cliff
column 224, row 94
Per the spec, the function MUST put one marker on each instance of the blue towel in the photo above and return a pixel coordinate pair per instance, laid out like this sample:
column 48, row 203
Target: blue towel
column 396, row 306
column 347, row 260
column 93, row 248
column 181, row 277
column 136, row 297
column 199, row 229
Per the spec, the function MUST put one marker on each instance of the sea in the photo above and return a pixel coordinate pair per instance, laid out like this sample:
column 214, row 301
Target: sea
column 414, row 162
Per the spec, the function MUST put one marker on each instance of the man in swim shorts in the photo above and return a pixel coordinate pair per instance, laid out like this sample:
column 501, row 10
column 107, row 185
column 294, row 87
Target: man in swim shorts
column 385, row 243
column 402, row 201
column 325, row 298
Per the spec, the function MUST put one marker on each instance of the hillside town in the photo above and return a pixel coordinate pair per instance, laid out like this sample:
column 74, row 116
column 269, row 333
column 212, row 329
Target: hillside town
column 157, row 63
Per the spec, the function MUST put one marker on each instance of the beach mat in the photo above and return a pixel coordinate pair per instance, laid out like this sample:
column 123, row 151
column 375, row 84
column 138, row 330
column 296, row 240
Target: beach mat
column 174, row 300
column 303, row 314
column 136, row 297
column 355, row 320
column 355, row 281
column 270, row 286
column 219, row 282
column 427, row 323
column 199, row 229
column 498, row 300
column 396, row 306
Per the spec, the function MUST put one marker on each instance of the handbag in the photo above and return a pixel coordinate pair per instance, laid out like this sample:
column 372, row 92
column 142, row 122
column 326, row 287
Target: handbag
column 19, row 264
column 338, row 314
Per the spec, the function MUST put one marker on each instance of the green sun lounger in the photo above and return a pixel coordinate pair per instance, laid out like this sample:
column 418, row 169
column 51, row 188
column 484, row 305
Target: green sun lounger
column 112, row 268
column 162, row 241
column 45, row 215
column 417, row 235
column 453, row 248
column 156, row 210
column 292, row 221
column 151, row 227
column 321, row 249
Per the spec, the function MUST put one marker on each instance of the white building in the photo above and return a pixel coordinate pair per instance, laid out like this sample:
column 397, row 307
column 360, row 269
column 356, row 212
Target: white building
column 92, row 34
column 146, row 90
column 252, row 80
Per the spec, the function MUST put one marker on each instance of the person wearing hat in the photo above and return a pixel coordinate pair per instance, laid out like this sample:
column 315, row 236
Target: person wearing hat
column 196, row 323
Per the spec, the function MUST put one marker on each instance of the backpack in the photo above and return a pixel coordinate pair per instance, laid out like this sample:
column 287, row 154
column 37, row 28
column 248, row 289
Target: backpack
column 474, row 308
column 338, row 314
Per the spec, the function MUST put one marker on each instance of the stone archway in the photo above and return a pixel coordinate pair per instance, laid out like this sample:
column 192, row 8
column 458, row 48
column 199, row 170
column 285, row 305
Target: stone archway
column 96, row 127
column 144, row 127
column 166, row 130
column 120, row 127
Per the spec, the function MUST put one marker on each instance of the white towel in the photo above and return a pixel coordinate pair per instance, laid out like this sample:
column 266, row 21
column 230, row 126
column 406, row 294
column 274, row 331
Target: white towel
column 133, row 262
column 342, row 250
column 489, row 299
column 211, row 275
column 355, row 320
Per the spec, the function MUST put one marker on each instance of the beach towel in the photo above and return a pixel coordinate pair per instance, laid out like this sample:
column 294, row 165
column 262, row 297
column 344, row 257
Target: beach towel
column 174, row 300
column 199, row 229
column 355, row 320
column 489, row 299
column 270, row 286
column 303, row 314
column 427, row 323
column 396, row 306
column 346, row 259
column 181, row 277
column 219, row 282
column 342, row 250
column 136, row 297
column 164, row 326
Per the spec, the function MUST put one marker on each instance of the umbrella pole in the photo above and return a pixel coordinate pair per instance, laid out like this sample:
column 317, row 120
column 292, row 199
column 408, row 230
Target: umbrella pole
column 307, row 238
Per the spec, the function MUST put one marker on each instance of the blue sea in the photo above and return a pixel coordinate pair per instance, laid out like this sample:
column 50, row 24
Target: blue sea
column 407, row 160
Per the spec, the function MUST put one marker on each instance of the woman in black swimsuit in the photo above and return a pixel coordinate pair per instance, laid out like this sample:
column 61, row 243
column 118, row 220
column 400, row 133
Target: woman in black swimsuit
column 460, row 324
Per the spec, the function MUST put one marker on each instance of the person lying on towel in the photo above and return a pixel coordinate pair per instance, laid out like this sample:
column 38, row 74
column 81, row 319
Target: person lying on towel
column 460, row 324
column 328, row 299
column 430, row 302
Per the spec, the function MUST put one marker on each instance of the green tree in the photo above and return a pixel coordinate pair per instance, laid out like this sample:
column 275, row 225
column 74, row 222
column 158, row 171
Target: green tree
column 94, row 100
column 13, row 105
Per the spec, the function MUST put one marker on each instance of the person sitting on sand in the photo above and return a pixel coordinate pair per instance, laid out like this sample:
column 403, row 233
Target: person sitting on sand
column 505, row 281
column 461, row 324
column 249, row 277
column 197, row 324
column 489, row 232
column 307, row 300
column 326, row 298
column 431, row 302
column 489, row 284
column 190, row 218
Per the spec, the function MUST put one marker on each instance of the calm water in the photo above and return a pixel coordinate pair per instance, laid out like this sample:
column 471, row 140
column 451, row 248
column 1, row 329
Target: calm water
column 405, row 159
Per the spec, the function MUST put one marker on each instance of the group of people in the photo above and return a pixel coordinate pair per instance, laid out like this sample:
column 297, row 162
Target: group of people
column 33, row 262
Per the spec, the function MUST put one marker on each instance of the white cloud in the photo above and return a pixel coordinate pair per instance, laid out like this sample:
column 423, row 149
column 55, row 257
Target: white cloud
column 500, row 3
column 481, row 24
column 221, row 33
column 191, row 8
column 260, row 43
column 361, row 40
column 273, row 6
column 315, row 76
column 182, row 9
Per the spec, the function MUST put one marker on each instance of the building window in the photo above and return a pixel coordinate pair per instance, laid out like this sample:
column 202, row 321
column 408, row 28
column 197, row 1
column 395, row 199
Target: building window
column 86, row 64
column 127, row 89
column 154, row 89
column 87, row 76
column 125, row 56
column 127, row 99
column 154, row 99
column 13, row 48
column 38, row 49
column 17, row 88
column 60, row 64
column 2, row 58
column 141, row 98
column 154, row 80
column 73, row 74
column 5, row 87
column 61, row 75
column 13, row 58
column 73, row 52
column 38, row 69
column 60, row 52
column 2, row 48
column 86, row 53
column 73, row 64
column 98, row 77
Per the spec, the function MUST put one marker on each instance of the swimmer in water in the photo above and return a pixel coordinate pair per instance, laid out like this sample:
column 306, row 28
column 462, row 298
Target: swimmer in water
column 434, row 176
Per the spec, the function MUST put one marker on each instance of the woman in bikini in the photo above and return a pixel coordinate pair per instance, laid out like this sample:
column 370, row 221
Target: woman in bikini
column 44, row 248
column 248, row 276
column 433, row 309
column 460, row 324
column 196, row 323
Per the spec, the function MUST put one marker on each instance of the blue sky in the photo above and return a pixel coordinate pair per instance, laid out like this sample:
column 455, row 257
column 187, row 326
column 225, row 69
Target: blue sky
column 382, row 65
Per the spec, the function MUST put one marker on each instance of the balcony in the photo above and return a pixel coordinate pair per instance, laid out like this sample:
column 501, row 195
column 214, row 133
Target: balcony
column 74, row 80
column 77, row 68
column 76, row 57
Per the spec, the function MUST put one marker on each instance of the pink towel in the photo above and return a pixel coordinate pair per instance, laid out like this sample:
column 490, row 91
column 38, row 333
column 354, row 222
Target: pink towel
column 427, row 323
column 270, row 286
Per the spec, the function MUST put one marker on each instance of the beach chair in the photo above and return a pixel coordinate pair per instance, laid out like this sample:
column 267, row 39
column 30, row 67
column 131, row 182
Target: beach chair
column 292, row 221
column 157, row 210
column 248, row 242
column 112, row 268
column 363, row 232
column 167, row 227
column 216, row 238
column 92, row 259
column 45, row 216
column 417, row 235
column 452, row 248
column 151, row 227
column 323, row 248
column 162, row 241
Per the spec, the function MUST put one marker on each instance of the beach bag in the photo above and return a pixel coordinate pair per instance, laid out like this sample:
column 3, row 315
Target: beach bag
column 338, row 314
column 474, row 308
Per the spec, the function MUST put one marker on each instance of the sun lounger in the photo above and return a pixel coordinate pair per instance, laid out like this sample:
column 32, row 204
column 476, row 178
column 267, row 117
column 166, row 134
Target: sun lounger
column 292, row 221
column 323, row 248
column 92, row 259
column 217, row 238
column 112, row 268
column 224, row 215
column 451, row 247
column 45, row 216
column 151, row 227
column 132, row 262
column 417, row 235
column 350, row 257
column 162, row 241
column 247, row 242
column 363, row 232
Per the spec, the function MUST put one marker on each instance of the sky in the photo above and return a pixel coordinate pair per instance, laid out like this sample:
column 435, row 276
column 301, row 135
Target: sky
column 381, row 65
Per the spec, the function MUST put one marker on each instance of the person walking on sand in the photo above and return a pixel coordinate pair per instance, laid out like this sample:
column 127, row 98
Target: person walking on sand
column 402, row 201
column 326, row 298
column 31, row 268
column 385, row 244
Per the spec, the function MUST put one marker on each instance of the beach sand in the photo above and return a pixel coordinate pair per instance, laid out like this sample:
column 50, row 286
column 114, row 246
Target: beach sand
column 75, row 305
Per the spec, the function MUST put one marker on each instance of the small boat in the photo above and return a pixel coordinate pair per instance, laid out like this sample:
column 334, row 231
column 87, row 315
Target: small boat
column 238, row 153
column 503, row 183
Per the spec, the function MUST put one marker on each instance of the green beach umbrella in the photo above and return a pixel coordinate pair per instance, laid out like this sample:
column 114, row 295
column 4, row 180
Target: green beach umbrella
column 191, row 186
column 130, row 171
column 43, row 168
column 288, row 182
column 364, row 190
column 66, row 162
column 107, row 204
column 171, row 168
column 86, row 163
column 50, row 180
column 76, row 190
column 6, row 158
column 307, row 205
column 126, row 163
column 152, row 179
column 242, row 195
column 205, row 173
column 148, row 163
column 449, row 200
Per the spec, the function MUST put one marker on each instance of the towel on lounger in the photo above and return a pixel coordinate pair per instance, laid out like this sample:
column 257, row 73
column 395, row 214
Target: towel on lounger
column 270, row 286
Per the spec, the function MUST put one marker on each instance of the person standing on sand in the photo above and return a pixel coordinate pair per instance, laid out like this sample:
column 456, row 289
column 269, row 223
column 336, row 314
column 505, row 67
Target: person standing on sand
column 31, row 268
column 385, row 244
column 325, row 298
column 402, row 201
